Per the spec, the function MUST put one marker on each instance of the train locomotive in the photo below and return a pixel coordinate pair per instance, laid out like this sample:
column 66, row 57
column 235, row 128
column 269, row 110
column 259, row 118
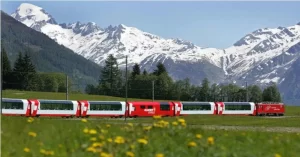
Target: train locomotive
column 119, row 109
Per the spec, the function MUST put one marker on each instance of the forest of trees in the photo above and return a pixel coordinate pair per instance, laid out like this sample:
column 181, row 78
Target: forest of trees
column 112, row 83
column 23, row 76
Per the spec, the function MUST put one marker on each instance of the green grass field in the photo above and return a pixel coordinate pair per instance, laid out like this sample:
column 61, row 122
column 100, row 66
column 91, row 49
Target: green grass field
column 65, row 138
column 160, row 137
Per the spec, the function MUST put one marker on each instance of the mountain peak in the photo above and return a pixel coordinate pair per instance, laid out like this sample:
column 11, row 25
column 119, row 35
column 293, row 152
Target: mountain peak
column 298, row 23
column 32, row 15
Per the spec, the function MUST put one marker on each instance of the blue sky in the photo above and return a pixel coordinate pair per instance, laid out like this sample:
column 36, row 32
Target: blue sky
column 207, row 24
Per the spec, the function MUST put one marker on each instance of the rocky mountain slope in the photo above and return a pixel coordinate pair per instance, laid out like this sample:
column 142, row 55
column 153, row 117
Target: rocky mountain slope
column 260, row 57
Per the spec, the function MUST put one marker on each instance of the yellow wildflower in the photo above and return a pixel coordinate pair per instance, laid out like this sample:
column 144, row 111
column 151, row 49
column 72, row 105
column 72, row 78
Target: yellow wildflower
column 97, row 144
column 84, row 120
column 93, row 131
column 104, row 131
column 132, row 146
column 60, row 145
column 30, row 120
column 157, row 117
column 174, row 123
column 27, row 150
column 33, row 134
column 50, row 153
column 159, row 155
column 181, row 120
column 93, row 139
column 43, row 151
column 130, row 124
column 210, row 140
column 130, row 154
column 192, row 144
column 86, row 130
column 119, row 140
column 103, row 154
column 101, row 137
column 109, row 140
column 91, row 149
column 277, row 155
column 198, row 136
column 143, row 141
column 183, row 124
column 147, row 128
column 108, row 126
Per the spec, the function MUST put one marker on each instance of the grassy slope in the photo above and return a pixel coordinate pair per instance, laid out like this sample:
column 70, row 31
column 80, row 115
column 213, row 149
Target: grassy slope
column 66, row 138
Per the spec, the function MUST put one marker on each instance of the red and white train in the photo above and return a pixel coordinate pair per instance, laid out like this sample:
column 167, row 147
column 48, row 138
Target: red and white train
column 85, row 108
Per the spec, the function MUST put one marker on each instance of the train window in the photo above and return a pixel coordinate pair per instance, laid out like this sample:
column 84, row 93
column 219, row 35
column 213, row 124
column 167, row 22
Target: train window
column 55, row 105
column 237, row 106
column 165, row 107
column 12, row 105
column 108, row 106
column 150, row 107
column 143, row 107
column 196, row 106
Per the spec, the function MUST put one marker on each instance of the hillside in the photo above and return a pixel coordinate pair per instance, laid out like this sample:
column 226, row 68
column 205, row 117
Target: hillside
column 46, row 54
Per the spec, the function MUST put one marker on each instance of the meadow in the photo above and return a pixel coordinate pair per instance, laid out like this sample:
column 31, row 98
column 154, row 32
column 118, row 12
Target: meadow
column 146, row 137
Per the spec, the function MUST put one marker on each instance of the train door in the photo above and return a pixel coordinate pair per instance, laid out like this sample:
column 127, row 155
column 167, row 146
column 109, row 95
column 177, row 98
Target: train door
column 177, row 108
column 130, row 109
column 220, row 108
column 84, row 108
column 28, row 109
column 78, row 110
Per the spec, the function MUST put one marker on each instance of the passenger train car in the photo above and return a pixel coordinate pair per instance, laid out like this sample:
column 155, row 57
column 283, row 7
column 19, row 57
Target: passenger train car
column 102, row 108
column 85, row 108
column 61, row 108
column 15, row 107
column 236, row 108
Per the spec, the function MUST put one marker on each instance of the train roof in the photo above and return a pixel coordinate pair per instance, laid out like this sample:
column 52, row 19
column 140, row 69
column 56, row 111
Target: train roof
column 12, row 100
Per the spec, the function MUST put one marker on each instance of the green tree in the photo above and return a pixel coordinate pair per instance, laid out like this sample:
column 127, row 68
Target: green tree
column 204, row 91
column 30, row 82
column 255, row 94
column 272, row 94
column 135, row 71
column 18, row 73
column 145, row 72
column 110, row 82
column 160, row 69
column 6, row 73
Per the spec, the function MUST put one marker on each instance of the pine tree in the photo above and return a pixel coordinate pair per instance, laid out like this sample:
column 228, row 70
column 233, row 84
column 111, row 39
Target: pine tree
column 6, row 73
column 30, row 81
column 18, row 73
column 110, row 81
column 135, row 70
column 160, row 69
column 145, row 72
column 204, row 91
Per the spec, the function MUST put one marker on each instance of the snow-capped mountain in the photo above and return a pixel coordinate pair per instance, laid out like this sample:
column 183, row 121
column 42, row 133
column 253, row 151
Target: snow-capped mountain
column 260, row 57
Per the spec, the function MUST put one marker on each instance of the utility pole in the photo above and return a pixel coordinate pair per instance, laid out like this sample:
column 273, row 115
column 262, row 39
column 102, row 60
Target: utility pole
column 152, row 90
column 126, row 107
column 1, row 78
column 246, row 91
column 67, row 88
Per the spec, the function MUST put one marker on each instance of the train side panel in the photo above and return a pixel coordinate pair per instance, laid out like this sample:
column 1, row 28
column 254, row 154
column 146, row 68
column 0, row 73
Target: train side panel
column 61, row 108
column 190, row 108
column 103, row 108
column 270, row 108
column 148, row 109
column 15, row 107
column 236, row 108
